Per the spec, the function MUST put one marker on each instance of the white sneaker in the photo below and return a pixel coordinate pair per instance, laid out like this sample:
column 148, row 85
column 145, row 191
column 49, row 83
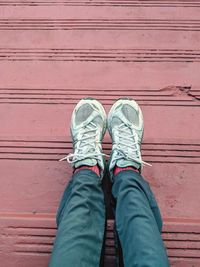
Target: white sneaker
column 126, row 127
column 88, row 126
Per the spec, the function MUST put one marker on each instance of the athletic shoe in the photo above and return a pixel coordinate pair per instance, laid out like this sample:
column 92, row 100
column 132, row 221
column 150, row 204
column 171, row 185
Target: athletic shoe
column 88, row 126
column 126, row 127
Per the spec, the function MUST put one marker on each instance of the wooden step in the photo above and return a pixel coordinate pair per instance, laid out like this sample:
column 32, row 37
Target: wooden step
column 31, row 235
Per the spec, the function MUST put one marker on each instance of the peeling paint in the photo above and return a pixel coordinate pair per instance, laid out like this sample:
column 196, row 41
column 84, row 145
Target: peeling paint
column 180, row 91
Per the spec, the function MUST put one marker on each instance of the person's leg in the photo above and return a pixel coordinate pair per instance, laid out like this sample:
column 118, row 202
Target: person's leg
column 138, row 221
column 81, row 215
column 81, row 223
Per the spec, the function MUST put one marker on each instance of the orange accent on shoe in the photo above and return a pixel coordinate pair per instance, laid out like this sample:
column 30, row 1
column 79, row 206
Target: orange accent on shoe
column 95, row 169
column 119, row 169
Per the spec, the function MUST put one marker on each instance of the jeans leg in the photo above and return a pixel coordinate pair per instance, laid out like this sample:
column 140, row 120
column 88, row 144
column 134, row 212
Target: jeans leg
column 81, row 223
column 138, row 222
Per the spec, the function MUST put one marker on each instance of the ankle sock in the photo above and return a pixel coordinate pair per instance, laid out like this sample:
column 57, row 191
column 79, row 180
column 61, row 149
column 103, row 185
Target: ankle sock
column 94, row 168
column 119, row 169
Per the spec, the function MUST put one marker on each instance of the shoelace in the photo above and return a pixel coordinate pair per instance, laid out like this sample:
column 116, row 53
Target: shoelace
column 87, row 148
column 128, row 145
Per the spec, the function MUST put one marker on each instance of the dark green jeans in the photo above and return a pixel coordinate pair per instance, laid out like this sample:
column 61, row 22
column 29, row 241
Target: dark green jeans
column 81, row 222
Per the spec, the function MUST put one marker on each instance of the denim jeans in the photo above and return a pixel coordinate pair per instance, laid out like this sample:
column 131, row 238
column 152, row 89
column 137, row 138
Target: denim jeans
column 81, row 222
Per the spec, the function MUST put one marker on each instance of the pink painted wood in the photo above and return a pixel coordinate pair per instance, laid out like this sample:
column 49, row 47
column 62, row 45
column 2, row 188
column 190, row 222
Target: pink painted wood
column 52, row 53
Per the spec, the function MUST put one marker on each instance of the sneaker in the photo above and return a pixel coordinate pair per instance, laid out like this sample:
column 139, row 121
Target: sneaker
column 126, row 127
column 88, row 126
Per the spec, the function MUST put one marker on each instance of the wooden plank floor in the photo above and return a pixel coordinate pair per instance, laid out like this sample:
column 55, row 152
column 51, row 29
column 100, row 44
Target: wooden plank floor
column 52, row 53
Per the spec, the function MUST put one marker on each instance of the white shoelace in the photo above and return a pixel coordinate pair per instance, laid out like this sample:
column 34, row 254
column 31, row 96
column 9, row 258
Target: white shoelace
column 87, row 138
column 128, row 145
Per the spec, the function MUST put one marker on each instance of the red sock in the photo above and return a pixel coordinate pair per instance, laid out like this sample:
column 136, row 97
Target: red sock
column 119, row 169
column 94, row 168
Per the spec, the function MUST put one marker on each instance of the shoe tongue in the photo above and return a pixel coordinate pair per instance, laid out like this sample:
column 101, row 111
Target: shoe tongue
column 126, row 163
column 87, row 162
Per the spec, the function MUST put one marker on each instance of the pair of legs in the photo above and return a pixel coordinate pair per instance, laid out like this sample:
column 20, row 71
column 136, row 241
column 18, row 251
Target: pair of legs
column 81, row 218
